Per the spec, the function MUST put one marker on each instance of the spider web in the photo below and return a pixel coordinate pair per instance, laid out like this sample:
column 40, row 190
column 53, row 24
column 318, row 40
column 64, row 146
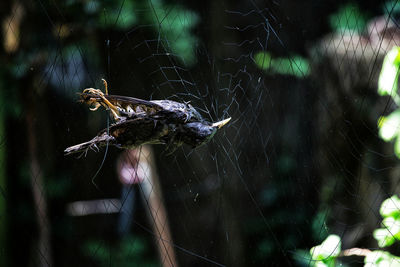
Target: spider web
column 300, row 158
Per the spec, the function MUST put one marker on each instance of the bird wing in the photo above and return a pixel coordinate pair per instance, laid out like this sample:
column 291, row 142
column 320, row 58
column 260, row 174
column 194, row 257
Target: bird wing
column 118, row 100
column 124, row 107
column 126, row 100
column 121, row 106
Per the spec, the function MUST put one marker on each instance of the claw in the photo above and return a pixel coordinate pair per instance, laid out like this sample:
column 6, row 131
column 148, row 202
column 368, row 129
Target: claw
column 84, row 153
column 107, row 104
column 96, row 107
column 94, row 148
column 105, row 85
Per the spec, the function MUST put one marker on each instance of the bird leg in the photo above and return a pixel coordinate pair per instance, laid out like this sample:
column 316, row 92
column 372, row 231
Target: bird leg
column 107, row 104
column 94, row 144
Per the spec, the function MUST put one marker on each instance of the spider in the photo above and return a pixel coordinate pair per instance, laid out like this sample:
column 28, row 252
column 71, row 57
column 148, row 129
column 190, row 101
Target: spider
column 138, row 122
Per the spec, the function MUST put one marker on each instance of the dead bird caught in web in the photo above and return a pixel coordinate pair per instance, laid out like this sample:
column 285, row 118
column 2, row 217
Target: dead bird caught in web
column 138, row 122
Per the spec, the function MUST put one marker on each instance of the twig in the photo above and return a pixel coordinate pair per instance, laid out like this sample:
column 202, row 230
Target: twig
column 362, row 252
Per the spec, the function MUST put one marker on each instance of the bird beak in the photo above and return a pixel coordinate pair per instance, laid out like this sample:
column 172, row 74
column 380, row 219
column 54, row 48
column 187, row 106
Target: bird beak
column 220, row 123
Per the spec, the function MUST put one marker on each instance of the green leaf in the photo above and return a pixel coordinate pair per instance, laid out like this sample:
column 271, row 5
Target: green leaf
column 390, row 232
column 295, row 66
column 391, row 7
column 175, row 23
column 397, row 147
column 129, row 250
column 263, row 60
column 389, row 126
column 326, row 253
column 390, row 207
column 383, row 237
column 388, row 78
column 348, row 18
column 119, row 14
column 379, row 258
column 393, row 225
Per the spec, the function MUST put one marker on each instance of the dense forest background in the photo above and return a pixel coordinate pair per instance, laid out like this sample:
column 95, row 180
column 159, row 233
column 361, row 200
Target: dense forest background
column 300, row 160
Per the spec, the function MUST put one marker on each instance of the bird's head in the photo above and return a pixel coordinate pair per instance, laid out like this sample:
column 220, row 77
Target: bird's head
column 198, row 133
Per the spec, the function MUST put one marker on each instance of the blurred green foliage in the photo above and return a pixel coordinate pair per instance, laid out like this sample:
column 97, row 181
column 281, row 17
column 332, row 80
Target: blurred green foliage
column 387, row 86
column 319, row 228
column 390, row 231
column 391, row 7
column 130, row 252
column 348, row 18
column 388, row 78
column 117, row 14
column 295, row 65
column 172, row 23
column 390, row 209
column 379, row 258
column 175, row 24
column 325, row 254
column 8, row 90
